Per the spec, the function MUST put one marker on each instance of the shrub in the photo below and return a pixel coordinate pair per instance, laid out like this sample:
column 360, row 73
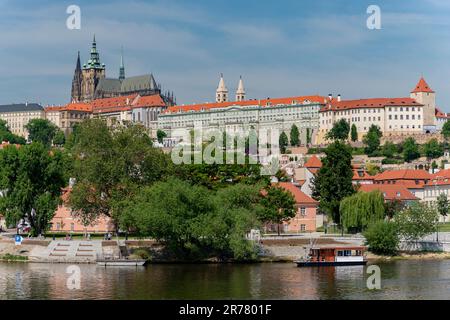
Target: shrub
column 382, row 238
column 142, row 253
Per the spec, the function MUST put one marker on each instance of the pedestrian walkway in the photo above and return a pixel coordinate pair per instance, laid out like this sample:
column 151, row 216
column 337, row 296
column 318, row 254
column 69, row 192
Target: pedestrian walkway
column 68, row 251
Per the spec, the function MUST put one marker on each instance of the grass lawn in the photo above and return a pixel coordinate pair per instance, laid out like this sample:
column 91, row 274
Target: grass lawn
column 444, row 227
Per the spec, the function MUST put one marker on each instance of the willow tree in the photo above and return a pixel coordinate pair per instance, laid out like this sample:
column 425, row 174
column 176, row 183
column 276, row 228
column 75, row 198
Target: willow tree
column 362, row 209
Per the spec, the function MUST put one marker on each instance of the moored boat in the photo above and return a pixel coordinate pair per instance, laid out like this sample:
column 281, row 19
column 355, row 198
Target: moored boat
column 121, row 262
column 334, row 256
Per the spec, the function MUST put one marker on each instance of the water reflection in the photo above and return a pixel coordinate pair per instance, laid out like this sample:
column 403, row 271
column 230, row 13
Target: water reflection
column 400, row 280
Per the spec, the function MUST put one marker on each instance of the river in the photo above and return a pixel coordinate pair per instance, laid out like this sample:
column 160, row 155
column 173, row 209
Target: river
column 405, row 279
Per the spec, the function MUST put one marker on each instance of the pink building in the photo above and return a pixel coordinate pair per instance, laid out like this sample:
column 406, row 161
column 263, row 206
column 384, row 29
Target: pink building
column 306, row 209
column 64, row 221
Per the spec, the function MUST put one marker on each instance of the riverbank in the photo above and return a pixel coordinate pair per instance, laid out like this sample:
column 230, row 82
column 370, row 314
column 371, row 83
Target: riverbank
column 371, row 257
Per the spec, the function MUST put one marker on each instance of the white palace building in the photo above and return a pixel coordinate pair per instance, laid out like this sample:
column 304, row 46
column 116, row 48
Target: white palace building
column 313, row 115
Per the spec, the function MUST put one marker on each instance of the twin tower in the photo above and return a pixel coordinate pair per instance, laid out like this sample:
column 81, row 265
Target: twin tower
column 222, row 91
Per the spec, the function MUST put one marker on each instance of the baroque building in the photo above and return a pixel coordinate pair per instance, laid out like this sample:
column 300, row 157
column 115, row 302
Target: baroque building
column 90, row 82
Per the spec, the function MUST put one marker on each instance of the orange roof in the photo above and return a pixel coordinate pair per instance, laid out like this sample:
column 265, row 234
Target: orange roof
column 369, row 103
column 422, row 86
column 149, row 101
column 439, row 114
column 313, row 162
column 364, row 176
column 113, row 102
column 78, row 106
column 263, row 102
column 390, row 191
column 405, row 174
column 299, row 196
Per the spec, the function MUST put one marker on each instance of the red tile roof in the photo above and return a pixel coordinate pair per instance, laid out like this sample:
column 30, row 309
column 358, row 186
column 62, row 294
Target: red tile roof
column 299, row 196
column 406, row 174
column 313, row 162
column 262, row 102
column 390, row 191
column 123, row 103
column 422, row 86
column 364, row 176
column 439, row 114
column 369, row 103
column 149, row 101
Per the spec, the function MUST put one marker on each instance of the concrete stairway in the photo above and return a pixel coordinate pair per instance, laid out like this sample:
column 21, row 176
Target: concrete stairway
column 73, row 251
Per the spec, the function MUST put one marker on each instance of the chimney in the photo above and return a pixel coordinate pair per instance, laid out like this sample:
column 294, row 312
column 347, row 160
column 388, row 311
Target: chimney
column 338, row 97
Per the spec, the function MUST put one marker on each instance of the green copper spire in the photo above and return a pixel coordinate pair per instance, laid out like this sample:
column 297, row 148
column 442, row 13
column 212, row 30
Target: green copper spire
column 122, row 67
column 94, row 61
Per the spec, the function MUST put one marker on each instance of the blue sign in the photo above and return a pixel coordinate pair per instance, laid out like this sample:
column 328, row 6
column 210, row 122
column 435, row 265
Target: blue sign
column 18, row 239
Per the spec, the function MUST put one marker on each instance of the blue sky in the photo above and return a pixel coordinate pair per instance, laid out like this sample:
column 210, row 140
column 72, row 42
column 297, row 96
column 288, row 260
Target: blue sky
column 281, row 48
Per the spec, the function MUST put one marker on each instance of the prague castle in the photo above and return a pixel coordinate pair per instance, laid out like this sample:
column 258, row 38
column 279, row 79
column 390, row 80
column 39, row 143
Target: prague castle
column 90, row 82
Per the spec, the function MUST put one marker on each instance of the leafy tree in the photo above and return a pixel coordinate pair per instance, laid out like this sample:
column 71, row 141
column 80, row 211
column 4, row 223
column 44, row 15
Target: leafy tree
column 308, row 135
column 59, row 138
column 41, row 130
column 32, row 177
column 392, row 207
column 160, row 135
column 389, row 149
column 433, row 149
column 446, row 130
column 279, row 206
column 7, row 135
column 354, row 133
column 382, row 238
column 361, row 209
column 410, row 150
column 110, row 165
column 339, row 131
column 194, row 222
column 372, row 169
column 283, row 142
column 442, row 205
column 372, row 140
column 416, row 221
column 334, row 180
column 295, row 136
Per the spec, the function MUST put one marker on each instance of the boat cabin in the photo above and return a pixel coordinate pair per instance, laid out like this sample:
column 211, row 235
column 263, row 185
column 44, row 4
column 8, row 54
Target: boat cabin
column 337, row 254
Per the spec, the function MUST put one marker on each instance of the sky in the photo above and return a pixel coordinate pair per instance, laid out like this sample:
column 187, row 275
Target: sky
column 281, row 48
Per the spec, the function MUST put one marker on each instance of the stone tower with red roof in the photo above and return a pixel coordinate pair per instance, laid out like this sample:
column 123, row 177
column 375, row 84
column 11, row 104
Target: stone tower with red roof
column 423, row 94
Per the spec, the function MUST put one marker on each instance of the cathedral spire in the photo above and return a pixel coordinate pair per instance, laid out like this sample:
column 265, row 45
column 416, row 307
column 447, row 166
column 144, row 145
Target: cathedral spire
column 122, row 67
column 77, row 81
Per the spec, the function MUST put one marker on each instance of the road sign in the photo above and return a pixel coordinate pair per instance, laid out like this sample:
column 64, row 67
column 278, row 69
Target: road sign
column 18, row 240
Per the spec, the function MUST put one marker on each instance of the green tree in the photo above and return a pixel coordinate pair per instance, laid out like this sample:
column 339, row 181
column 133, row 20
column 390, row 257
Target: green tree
column 382, row 238
column 308, row 135
column 433, row 149
column 110, row 165
column 295, row 136
column 339, row 131
column 7, row 135
column 160, row 135
column 283, row 142
column 41, row 130
column 354, row 133
column 389, row 149
column 410, row 150
column 279, row 206
column 442, row 206
column 334, row 180
column 59, row 139
column 372, row 140
column 416, row 221
column 446, row 130
column 32, row 177
column 362, row 209
column 194, row 222
column 392, row 207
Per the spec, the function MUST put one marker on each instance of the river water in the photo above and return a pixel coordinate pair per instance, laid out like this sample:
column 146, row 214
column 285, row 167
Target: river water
column 399, row 280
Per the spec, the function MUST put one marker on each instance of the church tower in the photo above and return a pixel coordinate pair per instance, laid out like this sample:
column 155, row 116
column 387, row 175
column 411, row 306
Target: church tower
column 222, row 91
column 423, row 94
column 92, row 71
column 240, row 92
column 77, row 82
column 122, row 67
